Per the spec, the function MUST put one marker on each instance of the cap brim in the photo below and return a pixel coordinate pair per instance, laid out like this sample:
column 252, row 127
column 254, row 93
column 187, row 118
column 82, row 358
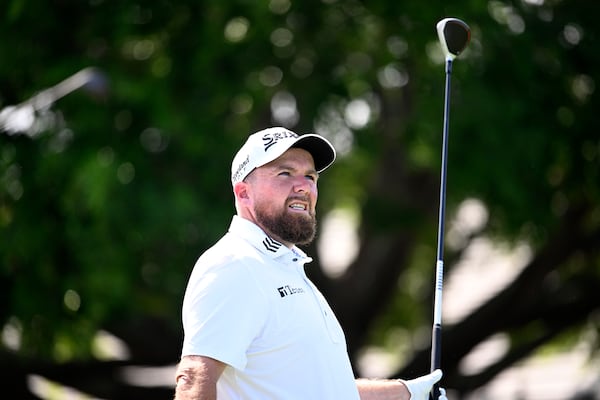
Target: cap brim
column 322, row 151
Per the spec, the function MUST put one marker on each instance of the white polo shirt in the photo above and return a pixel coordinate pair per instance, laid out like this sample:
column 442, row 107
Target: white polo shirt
column 250, row 305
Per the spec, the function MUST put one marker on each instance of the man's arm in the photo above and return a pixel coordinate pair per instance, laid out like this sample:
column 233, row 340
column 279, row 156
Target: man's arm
column 197, row 378
column 389, row 389
column 386, row 389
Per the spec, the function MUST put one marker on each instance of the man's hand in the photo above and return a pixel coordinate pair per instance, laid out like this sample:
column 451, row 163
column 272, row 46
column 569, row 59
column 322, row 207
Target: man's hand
column 419, row 388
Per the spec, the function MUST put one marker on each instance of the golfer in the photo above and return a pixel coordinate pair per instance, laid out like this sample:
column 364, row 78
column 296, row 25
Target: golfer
column 255, row 327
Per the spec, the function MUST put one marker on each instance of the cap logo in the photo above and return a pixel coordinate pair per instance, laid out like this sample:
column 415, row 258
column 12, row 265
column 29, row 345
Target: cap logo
column 269, row 139
column 240, row 168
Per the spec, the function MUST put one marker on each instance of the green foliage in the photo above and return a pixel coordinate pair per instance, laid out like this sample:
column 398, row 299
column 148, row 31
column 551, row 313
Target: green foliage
column 103, row 212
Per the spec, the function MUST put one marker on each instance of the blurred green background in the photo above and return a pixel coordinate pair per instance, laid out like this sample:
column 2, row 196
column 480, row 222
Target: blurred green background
column 114, row 181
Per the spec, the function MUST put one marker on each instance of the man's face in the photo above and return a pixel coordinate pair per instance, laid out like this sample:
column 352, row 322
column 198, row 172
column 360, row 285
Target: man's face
column 284, row 195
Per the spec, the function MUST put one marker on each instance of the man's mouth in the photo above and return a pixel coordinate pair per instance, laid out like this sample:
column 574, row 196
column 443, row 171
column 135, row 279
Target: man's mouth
column 298, row 206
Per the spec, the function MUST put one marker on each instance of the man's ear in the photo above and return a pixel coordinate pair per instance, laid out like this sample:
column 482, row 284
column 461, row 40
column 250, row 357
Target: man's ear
column 240, row 190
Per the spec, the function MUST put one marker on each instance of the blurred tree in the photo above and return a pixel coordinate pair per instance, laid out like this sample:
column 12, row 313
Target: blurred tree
column 107, row 200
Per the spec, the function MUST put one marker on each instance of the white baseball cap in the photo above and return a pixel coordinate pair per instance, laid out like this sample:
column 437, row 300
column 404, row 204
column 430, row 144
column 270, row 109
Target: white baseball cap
column 265, row 146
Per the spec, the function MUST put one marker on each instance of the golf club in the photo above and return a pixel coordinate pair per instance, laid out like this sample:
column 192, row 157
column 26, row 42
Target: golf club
column 21, row 118
column 454, row 36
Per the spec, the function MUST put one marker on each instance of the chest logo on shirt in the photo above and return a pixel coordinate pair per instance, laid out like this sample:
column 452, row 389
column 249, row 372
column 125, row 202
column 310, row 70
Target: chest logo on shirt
column 287, row 290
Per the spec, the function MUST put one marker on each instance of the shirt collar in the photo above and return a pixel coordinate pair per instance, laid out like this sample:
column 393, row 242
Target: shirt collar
column 253, row 234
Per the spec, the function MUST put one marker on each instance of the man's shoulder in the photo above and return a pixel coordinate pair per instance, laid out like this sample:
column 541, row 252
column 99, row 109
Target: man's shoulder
column 230, row 251
column 230, row 263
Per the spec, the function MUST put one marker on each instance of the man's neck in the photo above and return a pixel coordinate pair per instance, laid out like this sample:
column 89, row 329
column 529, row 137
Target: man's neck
column 266, row 231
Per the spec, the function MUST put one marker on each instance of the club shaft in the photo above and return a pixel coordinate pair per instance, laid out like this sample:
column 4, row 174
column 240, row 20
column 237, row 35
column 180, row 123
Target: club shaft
column 443, row 173
column 436, row 334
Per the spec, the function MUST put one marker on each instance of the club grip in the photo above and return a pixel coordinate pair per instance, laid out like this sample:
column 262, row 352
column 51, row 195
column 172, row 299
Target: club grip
column 436, row 356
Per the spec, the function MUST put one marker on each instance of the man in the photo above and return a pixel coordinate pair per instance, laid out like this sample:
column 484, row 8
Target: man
column 255, row 326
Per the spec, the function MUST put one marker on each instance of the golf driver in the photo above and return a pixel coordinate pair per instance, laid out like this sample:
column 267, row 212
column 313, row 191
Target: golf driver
column 454, row 36
column 21, row 118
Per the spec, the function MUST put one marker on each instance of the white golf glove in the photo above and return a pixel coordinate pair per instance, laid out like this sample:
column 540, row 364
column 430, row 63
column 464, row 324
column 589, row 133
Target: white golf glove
column 442, row 394
column 419, row 388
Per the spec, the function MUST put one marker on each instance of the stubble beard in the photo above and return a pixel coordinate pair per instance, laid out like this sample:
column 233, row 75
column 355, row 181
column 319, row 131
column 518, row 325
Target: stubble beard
column 299, row 229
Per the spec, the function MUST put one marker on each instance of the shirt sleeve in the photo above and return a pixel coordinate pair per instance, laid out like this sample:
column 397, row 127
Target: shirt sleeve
column 223, row 311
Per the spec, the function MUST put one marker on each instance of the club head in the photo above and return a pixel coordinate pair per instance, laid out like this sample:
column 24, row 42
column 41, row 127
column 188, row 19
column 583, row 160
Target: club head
column 454, row 36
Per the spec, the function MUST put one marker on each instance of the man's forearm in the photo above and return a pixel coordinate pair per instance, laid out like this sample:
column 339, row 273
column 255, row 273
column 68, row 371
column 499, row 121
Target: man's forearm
column 382, row 389
column 189, row 387
column 197, row 378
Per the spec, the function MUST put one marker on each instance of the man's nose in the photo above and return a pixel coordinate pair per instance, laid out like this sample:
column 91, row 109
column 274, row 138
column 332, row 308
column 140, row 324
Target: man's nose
column 303, row 185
